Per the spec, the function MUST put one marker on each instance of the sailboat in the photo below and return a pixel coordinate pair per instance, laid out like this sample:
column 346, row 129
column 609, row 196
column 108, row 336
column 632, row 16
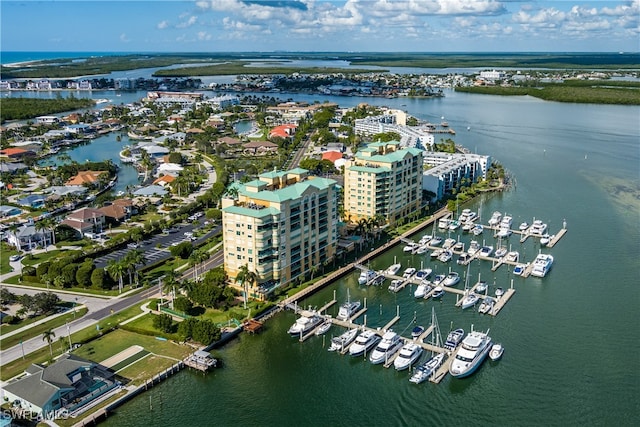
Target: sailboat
column 428, row 368
column 348, row 308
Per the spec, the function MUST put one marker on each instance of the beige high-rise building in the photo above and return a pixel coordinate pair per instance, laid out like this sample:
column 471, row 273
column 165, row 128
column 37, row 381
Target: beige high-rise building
column 281, row 225
column 383, row 179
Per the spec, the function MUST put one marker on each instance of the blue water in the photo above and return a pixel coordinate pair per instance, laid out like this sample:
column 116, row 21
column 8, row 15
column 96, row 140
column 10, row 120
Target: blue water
column 18, row 56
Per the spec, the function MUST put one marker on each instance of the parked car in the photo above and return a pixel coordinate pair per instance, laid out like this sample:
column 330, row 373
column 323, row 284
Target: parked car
column 14, row 258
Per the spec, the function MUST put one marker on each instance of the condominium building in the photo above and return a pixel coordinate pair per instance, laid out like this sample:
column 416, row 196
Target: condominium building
column 395, row 121
column 446, row 171
column 383, row 179
column 281, row 226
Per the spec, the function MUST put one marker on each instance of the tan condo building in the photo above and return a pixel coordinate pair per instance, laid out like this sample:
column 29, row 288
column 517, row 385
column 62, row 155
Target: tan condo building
column 281, row 226
column 383, row 179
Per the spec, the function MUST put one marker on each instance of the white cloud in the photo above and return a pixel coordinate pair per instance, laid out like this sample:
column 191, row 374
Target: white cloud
column 124, row 38
column 189, row 22
column 204, row 36
column 162, row 25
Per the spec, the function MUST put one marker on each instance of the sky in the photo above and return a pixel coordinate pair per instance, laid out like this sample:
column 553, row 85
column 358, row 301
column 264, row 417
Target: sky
column 320, row 26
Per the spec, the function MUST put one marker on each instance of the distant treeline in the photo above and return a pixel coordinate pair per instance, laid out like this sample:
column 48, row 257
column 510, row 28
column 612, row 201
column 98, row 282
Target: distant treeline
column 29, row 108
column 239, row 67
column 579, row 91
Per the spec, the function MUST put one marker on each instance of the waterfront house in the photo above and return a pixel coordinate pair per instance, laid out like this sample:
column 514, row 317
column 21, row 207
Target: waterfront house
column 150, row 190
column 28, row 237
column 164, row 180
column 32, row 201
column 86, row 178
column 86, row 220
column 283, row 131
column 7, row 211
column 118, row 210
column 15, row 153
column 60, row 388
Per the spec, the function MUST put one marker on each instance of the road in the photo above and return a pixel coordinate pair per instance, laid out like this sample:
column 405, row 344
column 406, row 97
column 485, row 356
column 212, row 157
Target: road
column 91, row 318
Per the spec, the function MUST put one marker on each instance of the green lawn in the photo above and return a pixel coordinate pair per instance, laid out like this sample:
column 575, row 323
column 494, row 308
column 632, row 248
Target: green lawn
column 5, row 252
column 15, row 280
column 38, row 330
column 146, row 368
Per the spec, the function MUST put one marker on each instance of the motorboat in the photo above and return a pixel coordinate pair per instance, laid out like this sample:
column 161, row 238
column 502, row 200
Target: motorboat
column 506, row 221
column 519, row 269
column 467, row 215
column 438, row 292
column 410, row 247
column 474, row 247
column 468, row 226
column 378, row 280
column 463, row 258
column 500, row 252
column 546, row 239
column 445, row 256
column 439, row 278
column 496, row 352
column 486, row 306
column 538, row 227
column 451, row 279
column 366, row 276
column 448, row 243
column 324, row 327
column 422, row 249
column 454, row 225
column 443, row 223
column 386, row 348
column 423, row 273
column 458, row 247
column 486, row 251
column 477, row 230
column 542, row 264
column 364, row 342
column 342, row 341
column 435, row 241
column 347, row 309
column 417, row 331
column 410, row 271
column 424, row 371
column 475, row 347
column 512, row 256
column 453, row 339
column 421, row 290
column 395, row 285
column 393, row 269
column 436, row 253
column 480, row 287
column 495, row 218
column 409, row 354
column 499, row 292
column 424, row 239
column 469, row 300
column 523, row 226
column 305, row 323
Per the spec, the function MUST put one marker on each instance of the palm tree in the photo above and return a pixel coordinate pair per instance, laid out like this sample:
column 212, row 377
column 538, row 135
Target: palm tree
column 117, row 269
column 245, row 277
column 169, row 282
column 48, row 336
column 134, row 259
column 196, row 258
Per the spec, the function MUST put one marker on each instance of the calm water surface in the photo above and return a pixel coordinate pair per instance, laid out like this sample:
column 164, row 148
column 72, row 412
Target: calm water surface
column 571, row 338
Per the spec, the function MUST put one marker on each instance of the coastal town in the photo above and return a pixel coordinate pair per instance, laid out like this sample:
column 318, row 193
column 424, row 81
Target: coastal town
column 250, row 222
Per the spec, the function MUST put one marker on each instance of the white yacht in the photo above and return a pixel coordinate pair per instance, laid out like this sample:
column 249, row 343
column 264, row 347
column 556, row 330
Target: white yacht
column 448, row 243
column 445, row 256
column 469, row 300
column 364, row 342
column 474, row 247
column 495, row 218
column 342, row 341
column 347, row 309
column 410, row 271
column 486, row 251
column 423, row 273
column 366, row 276
column 424, row 371
column 421, row 290
column 393, row 269
column 305, row 323
column 480, row 286
column 387, row 347
column 506, row 221
column 443, row 223
column 451, row 279
column 496, row 352
column 409, row 354
column 396, row 285
column 542, row 264
column 523, row 226
column 512, row 256
column 435, row 241
column 475, row 347
column 486, row 306
column 477, row 230
column 538, row 227
column 500, row 252
column 438, row 292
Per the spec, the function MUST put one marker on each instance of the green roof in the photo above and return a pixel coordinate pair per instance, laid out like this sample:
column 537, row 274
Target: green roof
column 369, row 169
column 254, row 213
column 394, row 156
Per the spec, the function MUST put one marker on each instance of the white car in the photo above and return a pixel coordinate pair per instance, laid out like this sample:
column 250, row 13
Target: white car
column 14, row 258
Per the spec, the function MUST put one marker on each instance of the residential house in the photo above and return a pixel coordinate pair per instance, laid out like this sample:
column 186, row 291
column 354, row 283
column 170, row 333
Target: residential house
column 58, row 389
column 164, row 180
column 260, row 148
column 86, row 220
column 29, row 237
column 6, row 210
column 33, row 201
column 15, row 153
column 283, row 131
column 86, row 178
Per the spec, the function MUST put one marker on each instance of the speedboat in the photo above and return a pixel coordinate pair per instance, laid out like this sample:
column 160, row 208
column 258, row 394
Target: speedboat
column 439, row 279
column 364, row 342
column 324, row 327
column 410, row 271
column 386, row 348
column 542, row 264
column 393, row 269
column 435, row 241
column 473, row 247
column 305, row 323
column 453, row 339
column 424, row 239
column 496, row 352
column 422, row 249
column 410, row 247
column 481, row 286
column 453, row 225
column 512, row 256
column 395, row 285
column 519, row 269
column 486, row 305
column 501, row 251
column 424, row 273
column 438, row 292
column 451, row 279
column 477, row 230
column 409, row 354
column 436, row 253
column 504, row 232
column 347, row 309
column 421, row 290
column 445, row 256
column 417, row 331
column 448, row 243
column 468, row 226
column 342, row 341
column 443, row 223
column 506, row 221
column 523, row 226
column 366, row 276
column 499, row 292
column 463, row 258
column 469, row 300
column 458, row 247
column 495, row 218
column 424, row 371
column 546, row 239
column 538, row 227
column 475, row 347
column 486, row 250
